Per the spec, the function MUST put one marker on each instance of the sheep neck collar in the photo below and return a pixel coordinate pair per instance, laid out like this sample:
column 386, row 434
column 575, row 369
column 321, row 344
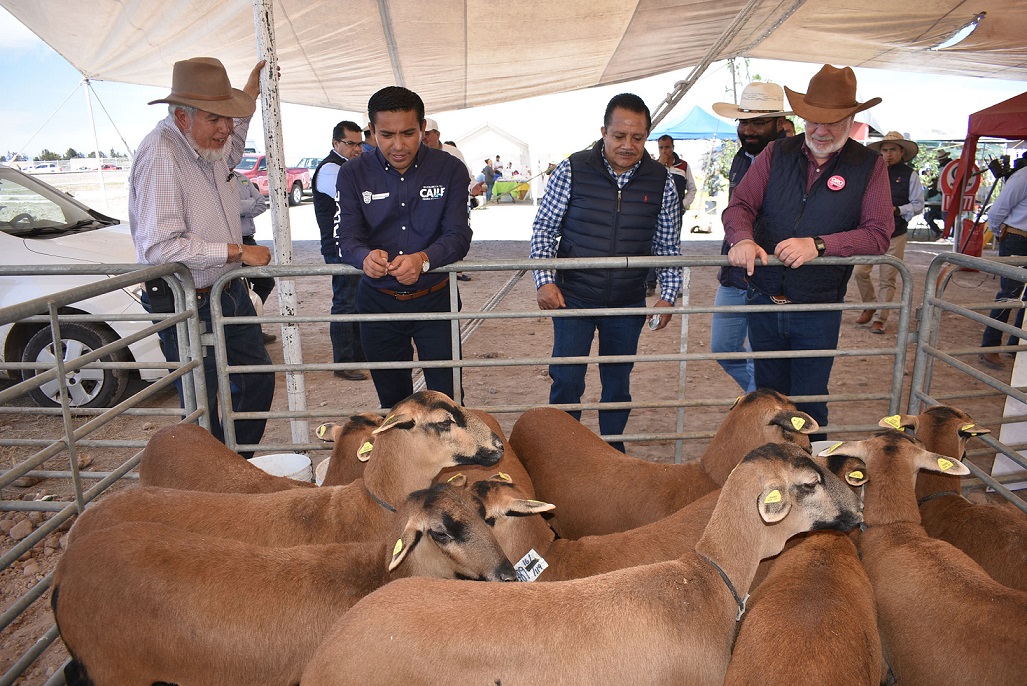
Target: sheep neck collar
column 378, row 500
column 934, row 496
column 730, row 586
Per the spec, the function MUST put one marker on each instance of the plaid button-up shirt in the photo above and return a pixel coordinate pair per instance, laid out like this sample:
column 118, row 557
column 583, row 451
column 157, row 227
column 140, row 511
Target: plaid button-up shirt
column 181, row 208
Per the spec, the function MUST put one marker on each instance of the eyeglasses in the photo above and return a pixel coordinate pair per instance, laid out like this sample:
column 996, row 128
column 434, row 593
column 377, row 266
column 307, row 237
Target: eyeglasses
column 351, row 144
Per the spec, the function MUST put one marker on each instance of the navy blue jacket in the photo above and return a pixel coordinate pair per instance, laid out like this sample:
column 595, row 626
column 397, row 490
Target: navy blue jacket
column 789, row 211
column 603, row 220
column 423, row 209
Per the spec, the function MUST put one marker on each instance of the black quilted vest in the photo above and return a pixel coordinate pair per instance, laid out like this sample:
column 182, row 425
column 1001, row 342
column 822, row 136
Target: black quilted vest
column 898, row 180
column 325, row 208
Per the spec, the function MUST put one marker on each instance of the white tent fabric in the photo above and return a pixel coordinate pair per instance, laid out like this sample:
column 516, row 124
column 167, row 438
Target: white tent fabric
column 464, row 53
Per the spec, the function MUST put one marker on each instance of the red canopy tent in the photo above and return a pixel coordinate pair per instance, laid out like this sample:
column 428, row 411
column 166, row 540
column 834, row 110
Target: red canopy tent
column 1007, row 119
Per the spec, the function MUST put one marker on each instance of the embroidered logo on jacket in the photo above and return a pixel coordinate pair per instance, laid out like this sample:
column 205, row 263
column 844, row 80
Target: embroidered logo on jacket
column 368, row 196
column 432, row 192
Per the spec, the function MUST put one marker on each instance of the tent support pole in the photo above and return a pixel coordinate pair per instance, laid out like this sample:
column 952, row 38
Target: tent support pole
column 96, row 143
column 263, row 17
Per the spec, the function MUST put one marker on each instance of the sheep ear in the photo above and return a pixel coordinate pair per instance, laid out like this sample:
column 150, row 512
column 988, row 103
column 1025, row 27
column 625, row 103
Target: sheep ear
column 394, row 421
column 364, row 451
column 793, row 420
column 852, row 448
column 457, row 480
column 501, row 477
column 968, row 430
column 933, row 462
column 900, row 422
column 404, row 544
column 774, row 503
column 528, row 507
column 735, row 403
column 328, row 432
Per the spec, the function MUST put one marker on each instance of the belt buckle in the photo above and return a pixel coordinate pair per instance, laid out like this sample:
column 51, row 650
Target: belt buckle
column 780, row 300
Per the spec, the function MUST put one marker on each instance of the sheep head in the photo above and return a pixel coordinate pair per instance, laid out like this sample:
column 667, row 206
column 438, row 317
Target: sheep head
column 443, row 533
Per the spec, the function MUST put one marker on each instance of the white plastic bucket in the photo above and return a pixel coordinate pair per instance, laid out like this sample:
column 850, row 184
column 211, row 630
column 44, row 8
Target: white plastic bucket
column 291, row 465
column 321, row 471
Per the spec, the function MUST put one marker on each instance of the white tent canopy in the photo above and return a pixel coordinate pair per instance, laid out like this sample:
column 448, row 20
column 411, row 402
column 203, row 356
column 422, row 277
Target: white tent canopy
column 464, row 53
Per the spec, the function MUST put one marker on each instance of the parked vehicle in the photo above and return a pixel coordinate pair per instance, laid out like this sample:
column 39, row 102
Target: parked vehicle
column 45, row 168
column 310, row 163
column 110, row 167
column 42, row 225
column 254, row 167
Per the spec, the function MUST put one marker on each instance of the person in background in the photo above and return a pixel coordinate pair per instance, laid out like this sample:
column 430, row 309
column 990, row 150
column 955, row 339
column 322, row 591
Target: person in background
column 907, row 198
column 345, row 336
column 813, row 195
column 369, row 143
column 610, row 200
column 489, row 178
column 682, row 175
column 403, row 210
column 1008, row 219
column 760, row 114
column 183, row 207
column 788, row 127
column 252, row 204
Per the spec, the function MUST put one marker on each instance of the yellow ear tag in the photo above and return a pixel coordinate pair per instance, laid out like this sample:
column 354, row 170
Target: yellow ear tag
column 856, row 474
column 504, row 476
column 894, row 421
column 365, row 449
column 322, row 430
column 398, row 547
column 834, row 447
column 453, row 478
column 944, row 464
column 969, row 429
column 798, row 423
column 772, row 497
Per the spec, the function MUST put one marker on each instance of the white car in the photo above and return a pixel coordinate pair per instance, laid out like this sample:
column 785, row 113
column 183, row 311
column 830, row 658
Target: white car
column 40, row 225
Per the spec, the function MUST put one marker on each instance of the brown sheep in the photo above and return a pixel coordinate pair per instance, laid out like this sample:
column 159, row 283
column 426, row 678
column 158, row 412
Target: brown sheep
column 942, row 620
column 355, row 437
column 141, row 603
column 424, row 433
column 994, row 536
column 598, row 490
column 188, row 457
column 671, row 622
column 816, row 594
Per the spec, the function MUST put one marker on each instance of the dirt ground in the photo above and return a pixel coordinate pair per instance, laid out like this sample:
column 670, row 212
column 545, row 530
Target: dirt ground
column 491, row 387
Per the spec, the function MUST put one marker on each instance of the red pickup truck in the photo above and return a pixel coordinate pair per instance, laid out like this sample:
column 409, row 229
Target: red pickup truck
column 254, row 167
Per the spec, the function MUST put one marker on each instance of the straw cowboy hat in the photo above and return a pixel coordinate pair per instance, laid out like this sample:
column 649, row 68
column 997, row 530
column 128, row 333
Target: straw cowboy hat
column 909, row 148
column 202, row 82
column 831, row 96
column 759, row 99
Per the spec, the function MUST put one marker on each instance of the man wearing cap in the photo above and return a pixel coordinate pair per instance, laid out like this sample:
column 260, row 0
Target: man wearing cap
column 803, row 197
column 346, row 145
column 611, row 200
column 760, row 114
column 183, row 207
column 907, row 199
column 402, row 211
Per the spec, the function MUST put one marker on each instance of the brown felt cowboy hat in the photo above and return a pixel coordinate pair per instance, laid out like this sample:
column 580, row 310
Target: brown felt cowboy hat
column 202, row 82
column 758, row 99
column 831, row 96
column 909, row 148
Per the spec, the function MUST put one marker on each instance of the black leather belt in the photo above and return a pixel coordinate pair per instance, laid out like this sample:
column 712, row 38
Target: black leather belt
column 203, row 291
column 414, row 295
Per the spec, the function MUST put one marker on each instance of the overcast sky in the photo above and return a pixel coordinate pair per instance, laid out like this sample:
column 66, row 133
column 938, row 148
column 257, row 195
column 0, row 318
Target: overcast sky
column 44, row 105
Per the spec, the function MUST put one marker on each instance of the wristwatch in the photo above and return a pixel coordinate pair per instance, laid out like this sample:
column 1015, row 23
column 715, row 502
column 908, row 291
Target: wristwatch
column 426, row 265
column 821, row 246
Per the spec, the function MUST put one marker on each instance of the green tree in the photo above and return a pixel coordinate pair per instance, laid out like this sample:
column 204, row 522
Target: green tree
column 72, row 154
column 47, row 156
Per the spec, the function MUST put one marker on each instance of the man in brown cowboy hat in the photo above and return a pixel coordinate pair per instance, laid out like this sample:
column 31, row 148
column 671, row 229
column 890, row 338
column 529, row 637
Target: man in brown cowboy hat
column 817, row 194
column 907, row 199
column 760, row 113
column 183, row 207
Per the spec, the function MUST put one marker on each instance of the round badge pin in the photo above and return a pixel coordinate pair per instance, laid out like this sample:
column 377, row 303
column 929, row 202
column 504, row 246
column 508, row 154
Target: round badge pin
column 836, row 183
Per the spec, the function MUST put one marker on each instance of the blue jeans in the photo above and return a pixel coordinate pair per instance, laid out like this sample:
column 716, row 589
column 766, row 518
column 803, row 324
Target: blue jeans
column 345, row 336
column 245, row 346
column 572, row 337
column 729, row 333
column 1009, row 289
column 773, row 329
column 394, row 341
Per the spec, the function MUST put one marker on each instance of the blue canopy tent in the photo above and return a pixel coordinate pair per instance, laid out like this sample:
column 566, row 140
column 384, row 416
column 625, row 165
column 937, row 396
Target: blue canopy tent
column 698, row 124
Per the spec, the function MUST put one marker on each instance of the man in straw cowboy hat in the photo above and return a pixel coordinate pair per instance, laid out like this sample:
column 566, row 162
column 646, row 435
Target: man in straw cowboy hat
column 807, row 196
column 760, row 113
column 183, row 207
column 907, row 199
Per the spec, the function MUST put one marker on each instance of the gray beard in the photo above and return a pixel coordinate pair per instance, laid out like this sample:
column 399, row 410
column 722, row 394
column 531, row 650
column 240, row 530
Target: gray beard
column 210, row 155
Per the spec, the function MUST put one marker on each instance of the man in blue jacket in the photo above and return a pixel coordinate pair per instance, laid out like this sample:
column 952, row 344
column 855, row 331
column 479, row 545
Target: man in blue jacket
column 402, row 211
column 606, row 201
